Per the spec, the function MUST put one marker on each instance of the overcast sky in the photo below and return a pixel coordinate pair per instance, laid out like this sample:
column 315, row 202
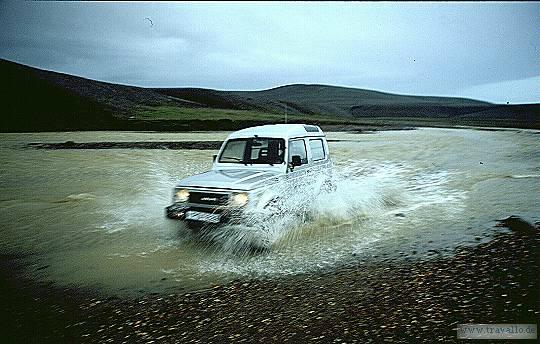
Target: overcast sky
column 488, row 51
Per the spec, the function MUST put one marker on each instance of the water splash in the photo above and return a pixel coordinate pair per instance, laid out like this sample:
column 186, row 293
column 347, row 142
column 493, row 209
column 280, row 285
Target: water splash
column 313, row 228
column 523, row 176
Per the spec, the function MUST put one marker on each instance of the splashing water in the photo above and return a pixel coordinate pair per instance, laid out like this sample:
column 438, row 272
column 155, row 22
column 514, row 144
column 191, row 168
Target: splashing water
column 320, row 228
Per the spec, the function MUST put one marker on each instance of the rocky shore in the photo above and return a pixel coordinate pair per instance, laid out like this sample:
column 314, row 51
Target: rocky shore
column 395, row 301
column 202, row 145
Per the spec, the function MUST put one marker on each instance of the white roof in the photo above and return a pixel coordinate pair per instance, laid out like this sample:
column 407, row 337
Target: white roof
column 285, row 131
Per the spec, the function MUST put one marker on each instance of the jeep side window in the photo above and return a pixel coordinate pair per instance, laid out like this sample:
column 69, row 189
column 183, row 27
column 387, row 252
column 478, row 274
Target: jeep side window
column 298, row 147
column 317, row 149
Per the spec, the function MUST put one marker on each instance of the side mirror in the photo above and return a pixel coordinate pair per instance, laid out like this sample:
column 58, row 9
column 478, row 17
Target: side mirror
column 296, row 160
column 214, row 157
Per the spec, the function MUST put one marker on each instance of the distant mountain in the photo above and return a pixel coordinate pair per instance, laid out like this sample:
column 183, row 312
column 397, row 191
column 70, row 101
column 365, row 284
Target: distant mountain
column 36, row 99
column 322, row 99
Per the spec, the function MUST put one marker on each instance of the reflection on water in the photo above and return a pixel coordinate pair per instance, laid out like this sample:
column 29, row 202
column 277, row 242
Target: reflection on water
column 95, row 218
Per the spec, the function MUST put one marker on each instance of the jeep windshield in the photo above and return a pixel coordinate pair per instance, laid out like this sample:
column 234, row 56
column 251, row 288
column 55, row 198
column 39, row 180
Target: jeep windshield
column 256, row 150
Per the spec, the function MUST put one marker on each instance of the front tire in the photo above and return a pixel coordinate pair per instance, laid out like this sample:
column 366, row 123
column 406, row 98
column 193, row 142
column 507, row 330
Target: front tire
column 194, row 226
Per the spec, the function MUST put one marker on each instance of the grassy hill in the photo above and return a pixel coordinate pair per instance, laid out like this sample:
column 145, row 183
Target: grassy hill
column 39, row 100
column 317, row 99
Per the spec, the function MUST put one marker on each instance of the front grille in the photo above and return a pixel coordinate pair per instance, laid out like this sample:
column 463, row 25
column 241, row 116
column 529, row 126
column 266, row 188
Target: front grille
column 208, row 198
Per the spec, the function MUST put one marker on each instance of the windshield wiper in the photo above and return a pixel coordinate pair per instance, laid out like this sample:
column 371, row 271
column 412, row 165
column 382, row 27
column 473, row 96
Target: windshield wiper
column 232, row 157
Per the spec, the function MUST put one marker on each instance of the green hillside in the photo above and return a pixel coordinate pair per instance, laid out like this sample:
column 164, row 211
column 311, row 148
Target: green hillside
column 39, row 100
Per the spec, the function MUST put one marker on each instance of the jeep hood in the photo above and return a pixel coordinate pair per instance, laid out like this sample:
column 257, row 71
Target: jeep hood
column 240, row 179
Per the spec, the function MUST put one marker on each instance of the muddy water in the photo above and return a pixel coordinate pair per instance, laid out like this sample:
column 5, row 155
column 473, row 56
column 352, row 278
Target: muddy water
column 95, row 218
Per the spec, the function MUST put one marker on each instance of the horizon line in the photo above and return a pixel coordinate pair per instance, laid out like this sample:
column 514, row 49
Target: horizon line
column 264, row 89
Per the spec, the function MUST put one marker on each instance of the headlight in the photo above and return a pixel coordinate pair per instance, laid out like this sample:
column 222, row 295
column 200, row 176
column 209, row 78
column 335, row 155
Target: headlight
column 181, row 195
column 239, row 199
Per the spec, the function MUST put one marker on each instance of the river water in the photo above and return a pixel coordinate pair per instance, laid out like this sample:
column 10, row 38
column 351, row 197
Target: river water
column 95, row 218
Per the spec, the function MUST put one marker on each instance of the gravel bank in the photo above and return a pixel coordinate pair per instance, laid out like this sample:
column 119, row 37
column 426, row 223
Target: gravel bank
column 494, row 282
column 206, row 145
column 199, row 145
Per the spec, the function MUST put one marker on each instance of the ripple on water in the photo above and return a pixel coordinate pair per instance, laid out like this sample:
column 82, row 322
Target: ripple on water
column 97, row 217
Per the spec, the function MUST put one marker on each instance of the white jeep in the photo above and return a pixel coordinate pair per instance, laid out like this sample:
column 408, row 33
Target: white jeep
column 255, row 169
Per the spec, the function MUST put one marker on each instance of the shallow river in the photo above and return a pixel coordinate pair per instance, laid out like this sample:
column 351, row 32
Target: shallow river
column 95, row 218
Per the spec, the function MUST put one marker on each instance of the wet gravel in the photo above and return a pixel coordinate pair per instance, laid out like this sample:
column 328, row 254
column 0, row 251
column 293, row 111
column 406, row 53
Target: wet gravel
column 394, row 301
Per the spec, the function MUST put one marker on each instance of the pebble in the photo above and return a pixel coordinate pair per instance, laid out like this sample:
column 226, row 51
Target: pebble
column 421, row 301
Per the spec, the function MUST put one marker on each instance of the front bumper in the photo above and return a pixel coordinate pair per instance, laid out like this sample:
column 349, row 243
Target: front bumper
column 180, row 212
